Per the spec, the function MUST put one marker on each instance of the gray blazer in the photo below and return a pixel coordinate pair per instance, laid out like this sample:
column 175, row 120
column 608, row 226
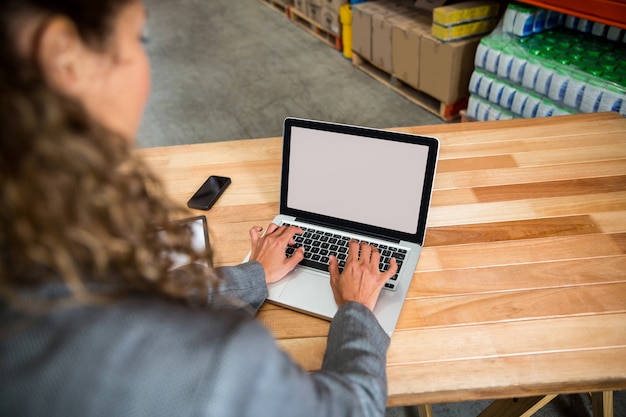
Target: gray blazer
column 147, row 356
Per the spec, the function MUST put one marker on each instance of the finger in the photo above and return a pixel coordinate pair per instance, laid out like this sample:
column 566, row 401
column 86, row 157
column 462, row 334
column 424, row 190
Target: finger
column 375, row 256
column 254, row 234
column 271, row 228
column 333, row 267
column 353, row 250
column 296, row 258
column 366, row 252
column 292, row 232
column 296, row 230
column 393, row 268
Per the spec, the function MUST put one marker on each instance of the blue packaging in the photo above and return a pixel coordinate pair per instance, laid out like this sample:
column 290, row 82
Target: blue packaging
column 571, row 22
column 474, row 82
column 495, row 94
column 485, row 87
column 539, row 22
column 575, row 90
column 517, row 69
column 481, row 53
column 531, row 71
column 524, row 23
column 584, row 25
column 504, row 65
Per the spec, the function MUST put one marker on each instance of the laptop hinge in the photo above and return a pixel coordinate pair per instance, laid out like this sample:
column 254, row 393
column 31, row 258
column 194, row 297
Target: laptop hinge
column 349, row 230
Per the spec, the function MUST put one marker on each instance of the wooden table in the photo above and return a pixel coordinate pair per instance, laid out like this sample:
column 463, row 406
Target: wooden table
column 521, row 287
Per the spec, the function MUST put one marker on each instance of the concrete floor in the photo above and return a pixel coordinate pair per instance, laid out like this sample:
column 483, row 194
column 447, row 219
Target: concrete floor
column 221, row 72
column 224, row 72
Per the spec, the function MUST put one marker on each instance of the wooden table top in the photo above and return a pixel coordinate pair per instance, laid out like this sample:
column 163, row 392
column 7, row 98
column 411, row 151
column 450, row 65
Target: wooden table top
column 521, row 287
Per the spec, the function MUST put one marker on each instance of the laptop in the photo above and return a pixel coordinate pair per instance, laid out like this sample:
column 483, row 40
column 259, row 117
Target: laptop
column 342, row 182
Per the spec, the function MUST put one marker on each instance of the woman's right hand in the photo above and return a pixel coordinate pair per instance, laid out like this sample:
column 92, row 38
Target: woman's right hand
column 361, row 280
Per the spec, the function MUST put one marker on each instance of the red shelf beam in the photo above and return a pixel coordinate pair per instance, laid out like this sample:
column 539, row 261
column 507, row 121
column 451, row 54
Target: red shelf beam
column 610, row 12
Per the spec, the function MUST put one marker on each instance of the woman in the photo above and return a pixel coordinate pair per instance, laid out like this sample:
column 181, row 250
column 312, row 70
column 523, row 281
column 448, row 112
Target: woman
column 91, row 320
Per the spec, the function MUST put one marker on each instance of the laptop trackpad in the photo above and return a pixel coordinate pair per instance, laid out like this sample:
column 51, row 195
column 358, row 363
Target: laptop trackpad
column 311, row 292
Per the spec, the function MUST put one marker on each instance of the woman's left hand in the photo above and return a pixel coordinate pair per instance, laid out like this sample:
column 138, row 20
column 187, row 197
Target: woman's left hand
column 269, row 250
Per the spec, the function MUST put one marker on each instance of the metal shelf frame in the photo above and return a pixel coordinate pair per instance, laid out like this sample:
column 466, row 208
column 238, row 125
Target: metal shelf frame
column 610, row 12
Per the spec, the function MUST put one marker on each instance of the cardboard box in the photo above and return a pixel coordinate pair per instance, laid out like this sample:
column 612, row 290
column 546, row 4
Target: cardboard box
column 302, row 6
column 445, row 68
column 334, row 5
column 384, row 19
column 362, row 28
column 468, row 11
column 361, row 32
column 405, row 40
column 314, row 12
column 330, row 20
column 381, row 41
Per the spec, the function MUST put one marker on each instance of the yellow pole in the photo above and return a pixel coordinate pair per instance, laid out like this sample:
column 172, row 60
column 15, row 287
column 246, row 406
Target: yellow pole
column 345, row 16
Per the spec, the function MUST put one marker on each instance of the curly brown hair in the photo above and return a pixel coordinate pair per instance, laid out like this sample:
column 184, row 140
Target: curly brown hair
column 76, row 205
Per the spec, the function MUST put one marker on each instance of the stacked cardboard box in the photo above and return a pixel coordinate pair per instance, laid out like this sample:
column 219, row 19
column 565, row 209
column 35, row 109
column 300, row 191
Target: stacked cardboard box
column 302, row 7
column 395, row 37
column 323, row 12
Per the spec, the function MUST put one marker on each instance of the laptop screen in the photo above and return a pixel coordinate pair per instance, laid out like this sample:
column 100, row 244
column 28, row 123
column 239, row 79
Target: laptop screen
column 360, row 176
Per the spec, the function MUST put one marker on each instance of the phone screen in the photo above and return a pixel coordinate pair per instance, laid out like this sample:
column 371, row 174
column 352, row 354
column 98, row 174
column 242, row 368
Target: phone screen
column 209, row 192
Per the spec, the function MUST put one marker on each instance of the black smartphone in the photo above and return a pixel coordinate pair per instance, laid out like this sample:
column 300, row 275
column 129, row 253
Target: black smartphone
column 208, row 193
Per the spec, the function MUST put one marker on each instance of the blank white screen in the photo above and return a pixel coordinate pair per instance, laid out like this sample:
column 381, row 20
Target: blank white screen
column 371, row 181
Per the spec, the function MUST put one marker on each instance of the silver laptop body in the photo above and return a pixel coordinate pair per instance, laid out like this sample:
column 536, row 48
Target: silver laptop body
column 373, row 185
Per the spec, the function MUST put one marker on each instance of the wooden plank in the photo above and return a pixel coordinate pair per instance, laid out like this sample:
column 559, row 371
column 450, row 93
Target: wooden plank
column 578, row 140
column 610, row 222
column 287, row 324
column 425, row 410
column 491, row 176
column 450, row 215
column 513, row 306
column 602, row 404
column 580, row 186
column 568, row 156
column 491, row 340
column 184, row 157
column 307, row 352
column 429, row 261
column 494, row 279
column 513, row 230
column 449, row 197
column 576, row 205
column 527, row 251
column 478, row 343
column 517, row 407
column 620, row 240
column 603, row 124
column 475, row 163
column 507, row 376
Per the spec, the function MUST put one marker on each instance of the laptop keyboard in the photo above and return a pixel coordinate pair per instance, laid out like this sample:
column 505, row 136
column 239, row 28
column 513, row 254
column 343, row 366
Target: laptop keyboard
column 320, row 245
